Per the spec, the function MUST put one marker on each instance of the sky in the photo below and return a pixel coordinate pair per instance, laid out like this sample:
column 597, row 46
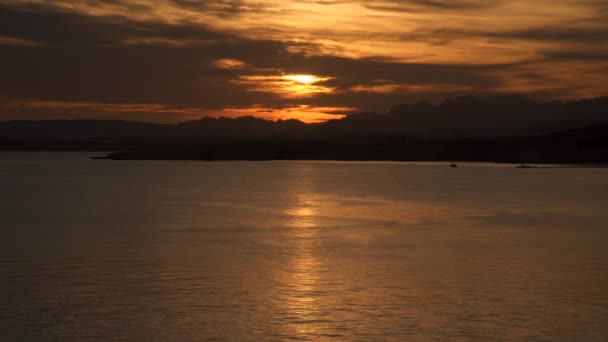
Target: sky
column 176, row 60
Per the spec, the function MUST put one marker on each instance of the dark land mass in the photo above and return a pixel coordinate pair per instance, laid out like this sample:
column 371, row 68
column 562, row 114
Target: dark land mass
column 494, row 129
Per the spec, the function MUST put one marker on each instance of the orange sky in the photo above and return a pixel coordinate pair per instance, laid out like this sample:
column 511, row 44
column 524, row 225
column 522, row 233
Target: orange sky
column 313, row 59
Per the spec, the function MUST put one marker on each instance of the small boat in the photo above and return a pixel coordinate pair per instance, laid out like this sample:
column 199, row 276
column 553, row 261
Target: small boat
column 453, row 165
column 524, row 166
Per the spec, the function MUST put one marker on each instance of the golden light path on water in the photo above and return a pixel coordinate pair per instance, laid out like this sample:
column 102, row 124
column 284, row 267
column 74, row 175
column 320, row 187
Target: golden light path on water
column 303, row 274
column 314, row 280
column 307, row 251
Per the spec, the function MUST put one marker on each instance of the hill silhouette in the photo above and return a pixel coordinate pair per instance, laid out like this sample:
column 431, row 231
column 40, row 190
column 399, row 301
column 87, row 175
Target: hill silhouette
column 498, row 128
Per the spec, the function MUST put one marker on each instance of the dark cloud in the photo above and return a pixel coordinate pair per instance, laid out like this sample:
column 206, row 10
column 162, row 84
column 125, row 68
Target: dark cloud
column 565, row 34
column 569, row 55
column 358, row 71
column 92, row 63
column 548, row 34
column 43, row 24
column 59, row 55
column 425, row 5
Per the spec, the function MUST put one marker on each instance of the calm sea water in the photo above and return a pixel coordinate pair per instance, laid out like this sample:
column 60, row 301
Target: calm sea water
column 311, row 251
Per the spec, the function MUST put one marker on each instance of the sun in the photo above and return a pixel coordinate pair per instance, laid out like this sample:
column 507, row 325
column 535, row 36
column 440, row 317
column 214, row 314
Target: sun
column 288, row 85
column 303, row 79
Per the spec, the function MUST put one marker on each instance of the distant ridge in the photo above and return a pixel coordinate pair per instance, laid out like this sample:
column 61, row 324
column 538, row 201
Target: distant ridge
column 468, row 116
column 500, row 128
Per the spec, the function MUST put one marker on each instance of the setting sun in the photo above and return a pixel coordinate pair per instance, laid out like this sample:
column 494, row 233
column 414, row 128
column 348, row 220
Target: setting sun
column 305, row 79
column 287, row 86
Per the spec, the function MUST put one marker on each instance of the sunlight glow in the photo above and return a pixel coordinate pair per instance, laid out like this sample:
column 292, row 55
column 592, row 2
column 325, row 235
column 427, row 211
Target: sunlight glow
column 157, row 112
column 287, row 86
column 304, row 113
column 456, row 34
column 305, row 79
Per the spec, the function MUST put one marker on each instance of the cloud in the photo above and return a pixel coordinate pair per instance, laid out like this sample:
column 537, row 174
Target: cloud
column 213, row 54
column 228, row 63
column 426, row 5
column 94, row 62
column 21, row 42
column 21, row 109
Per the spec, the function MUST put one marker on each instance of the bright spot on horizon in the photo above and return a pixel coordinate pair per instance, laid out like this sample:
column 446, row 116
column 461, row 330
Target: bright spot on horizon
column 304, row 79
column 287, row 86
column 300, row 85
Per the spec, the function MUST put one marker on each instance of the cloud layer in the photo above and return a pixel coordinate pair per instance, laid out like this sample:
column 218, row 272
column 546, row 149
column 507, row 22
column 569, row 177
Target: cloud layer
column 221, row 56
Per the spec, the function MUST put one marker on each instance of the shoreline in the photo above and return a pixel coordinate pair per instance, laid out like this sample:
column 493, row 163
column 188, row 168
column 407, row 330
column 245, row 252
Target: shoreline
column 143, row 156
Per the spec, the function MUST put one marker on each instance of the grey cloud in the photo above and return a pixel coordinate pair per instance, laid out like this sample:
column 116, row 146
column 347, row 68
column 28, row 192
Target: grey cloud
column 93, row 64
column 39, row 23
column 600, row 56
column 222, row 8
column 82, row 58
column 425, row 5
column 551, row 34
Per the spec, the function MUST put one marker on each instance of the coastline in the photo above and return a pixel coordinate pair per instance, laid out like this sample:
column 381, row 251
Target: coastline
column 528, row 164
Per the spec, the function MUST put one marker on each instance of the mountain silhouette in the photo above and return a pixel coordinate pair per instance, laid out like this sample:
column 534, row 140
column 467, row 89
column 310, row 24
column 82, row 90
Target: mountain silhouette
column 498, row 128
column 467, row 116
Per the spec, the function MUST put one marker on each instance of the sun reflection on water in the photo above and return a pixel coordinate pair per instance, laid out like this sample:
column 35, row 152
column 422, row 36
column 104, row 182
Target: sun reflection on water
column 314, row 279
column 304, row 213
column 304, row 271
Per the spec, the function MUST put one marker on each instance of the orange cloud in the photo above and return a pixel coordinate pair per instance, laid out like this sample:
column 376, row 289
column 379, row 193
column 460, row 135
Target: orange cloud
column 493, row 33
column 358, row 28
column 38, row 110
column 305, row 113
column 228, row 63
column 21, row 42
column 408, row 88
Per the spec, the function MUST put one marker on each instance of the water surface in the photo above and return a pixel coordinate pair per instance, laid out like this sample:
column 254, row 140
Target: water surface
column 262, row 251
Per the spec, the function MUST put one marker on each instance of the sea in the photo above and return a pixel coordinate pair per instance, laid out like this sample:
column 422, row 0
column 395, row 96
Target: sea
column 100, row 250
